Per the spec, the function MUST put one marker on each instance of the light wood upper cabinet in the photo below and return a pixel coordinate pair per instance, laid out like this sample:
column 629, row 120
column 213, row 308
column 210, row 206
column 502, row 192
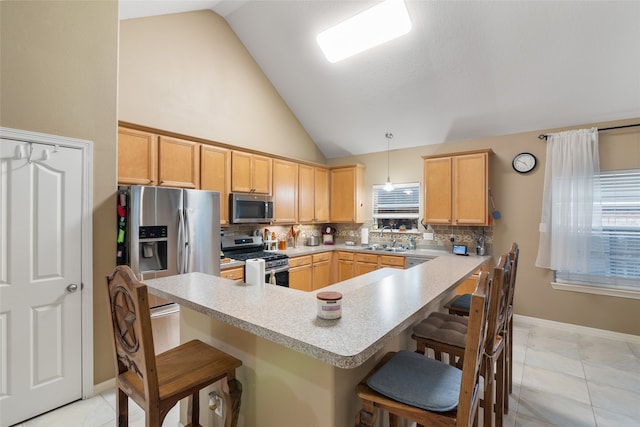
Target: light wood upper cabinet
column 456, row 188
column 137, row 157
column 321, row 194
column 145, row 158
column 179, row 163
column 471, row 189
column 313, row 194
column 285, row 192
column 215, row 175
column 437, row 193
column 347, row 194
column 250, row 173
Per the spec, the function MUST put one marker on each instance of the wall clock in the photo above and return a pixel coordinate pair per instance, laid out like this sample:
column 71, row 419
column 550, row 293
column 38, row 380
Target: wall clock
column 524, row 162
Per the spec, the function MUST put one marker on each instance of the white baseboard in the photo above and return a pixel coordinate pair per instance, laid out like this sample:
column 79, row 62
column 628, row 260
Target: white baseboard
column 602, row 333
column 104, row 386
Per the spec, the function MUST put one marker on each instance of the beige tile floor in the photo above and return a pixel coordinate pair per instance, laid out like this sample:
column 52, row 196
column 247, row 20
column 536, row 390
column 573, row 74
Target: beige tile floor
column 561, row 378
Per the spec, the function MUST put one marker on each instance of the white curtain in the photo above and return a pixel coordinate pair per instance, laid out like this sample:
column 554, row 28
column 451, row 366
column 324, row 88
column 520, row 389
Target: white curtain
column 570, row 190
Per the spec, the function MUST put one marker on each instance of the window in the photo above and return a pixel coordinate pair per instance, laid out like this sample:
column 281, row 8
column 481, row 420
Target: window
column 615, row 248
column 397, row 208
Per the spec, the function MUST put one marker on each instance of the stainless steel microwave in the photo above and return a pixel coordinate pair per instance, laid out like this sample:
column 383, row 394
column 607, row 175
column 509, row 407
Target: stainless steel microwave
column 251, row 208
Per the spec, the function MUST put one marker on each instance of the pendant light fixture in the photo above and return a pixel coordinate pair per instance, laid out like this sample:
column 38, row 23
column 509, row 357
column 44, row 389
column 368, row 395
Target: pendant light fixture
column 388, row 186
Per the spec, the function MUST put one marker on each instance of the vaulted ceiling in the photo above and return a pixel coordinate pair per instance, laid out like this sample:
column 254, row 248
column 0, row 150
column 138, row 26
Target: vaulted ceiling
column 466, row 69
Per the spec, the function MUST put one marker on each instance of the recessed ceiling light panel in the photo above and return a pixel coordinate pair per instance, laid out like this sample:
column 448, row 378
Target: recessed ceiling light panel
column 383, row 22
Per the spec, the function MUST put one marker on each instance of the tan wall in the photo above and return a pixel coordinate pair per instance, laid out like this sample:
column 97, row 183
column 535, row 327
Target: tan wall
column 189, row 73
column 59, row 76
column 518, row 198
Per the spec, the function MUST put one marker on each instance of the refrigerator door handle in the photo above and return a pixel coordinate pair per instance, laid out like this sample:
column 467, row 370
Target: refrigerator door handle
column 180, row 244
column 187, row 233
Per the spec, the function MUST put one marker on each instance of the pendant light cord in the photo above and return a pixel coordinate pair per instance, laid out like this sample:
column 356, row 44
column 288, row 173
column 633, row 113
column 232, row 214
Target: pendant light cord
column 388, row 135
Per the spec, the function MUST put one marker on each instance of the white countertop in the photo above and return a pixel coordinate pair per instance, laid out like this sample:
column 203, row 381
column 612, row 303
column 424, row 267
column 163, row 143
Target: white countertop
column 375, row 307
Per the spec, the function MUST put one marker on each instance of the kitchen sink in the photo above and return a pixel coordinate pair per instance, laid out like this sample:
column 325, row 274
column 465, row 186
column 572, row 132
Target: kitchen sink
column 385, row 249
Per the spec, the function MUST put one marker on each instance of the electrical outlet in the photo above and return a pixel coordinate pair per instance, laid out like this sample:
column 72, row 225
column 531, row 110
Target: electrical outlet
column 213, row 402
column 452, row 238
column 427, row 236
column 219, row 407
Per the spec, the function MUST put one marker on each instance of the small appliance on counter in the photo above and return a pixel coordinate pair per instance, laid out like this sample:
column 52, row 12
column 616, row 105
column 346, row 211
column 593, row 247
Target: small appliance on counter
column 327, row 235
column 313, row 240
column 480, row 248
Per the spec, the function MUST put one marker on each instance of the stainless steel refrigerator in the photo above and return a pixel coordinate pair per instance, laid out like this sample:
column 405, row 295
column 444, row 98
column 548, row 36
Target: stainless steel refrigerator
column 168, row 231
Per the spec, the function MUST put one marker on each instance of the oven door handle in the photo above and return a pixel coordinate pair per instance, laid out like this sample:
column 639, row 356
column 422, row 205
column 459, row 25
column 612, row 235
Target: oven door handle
column 276, row 270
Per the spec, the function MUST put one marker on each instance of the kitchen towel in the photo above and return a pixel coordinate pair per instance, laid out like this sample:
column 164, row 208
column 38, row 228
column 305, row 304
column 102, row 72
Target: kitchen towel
column 364, row 236
column 254, row 271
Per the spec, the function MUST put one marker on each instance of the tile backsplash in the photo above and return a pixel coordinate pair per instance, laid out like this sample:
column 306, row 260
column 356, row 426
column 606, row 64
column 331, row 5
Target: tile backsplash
column 352, row 232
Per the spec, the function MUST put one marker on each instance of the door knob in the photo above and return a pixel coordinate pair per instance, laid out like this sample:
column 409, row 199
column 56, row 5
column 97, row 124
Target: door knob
column 72, row 287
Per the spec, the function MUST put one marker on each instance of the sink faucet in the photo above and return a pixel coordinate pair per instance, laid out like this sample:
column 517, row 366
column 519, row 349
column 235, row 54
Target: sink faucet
column 383, row 228
column 412, row 242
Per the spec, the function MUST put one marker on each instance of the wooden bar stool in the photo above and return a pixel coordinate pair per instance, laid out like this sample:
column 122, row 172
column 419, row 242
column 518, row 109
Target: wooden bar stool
column 157, row 383
column 431, row 393
column 446, row 335
column 460, row 306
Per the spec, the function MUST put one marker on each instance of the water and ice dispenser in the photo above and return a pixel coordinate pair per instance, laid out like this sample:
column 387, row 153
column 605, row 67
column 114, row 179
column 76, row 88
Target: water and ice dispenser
column 153, row 248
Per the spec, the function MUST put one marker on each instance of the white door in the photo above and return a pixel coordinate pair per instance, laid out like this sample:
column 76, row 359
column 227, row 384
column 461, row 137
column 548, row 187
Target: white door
column 40, row 278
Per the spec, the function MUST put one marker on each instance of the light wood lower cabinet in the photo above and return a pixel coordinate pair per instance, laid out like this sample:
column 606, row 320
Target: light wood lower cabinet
column 393, row 261
column 313, row 272
column 321, row 270
column 365, row 263
column 301, row 273
column 310, row 272
column 233, row 273
column 345, row 265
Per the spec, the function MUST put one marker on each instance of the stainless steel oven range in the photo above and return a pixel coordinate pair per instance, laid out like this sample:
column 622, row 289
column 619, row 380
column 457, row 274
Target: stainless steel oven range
column 244, row 247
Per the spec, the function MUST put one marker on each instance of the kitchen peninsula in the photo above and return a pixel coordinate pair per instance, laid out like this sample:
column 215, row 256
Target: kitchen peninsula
column 298, row 369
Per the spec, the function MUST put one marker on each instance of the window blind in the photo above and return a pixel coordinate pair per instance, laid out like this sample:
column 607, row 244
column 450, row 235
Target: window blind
column 401, row 202
column 615, row 243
